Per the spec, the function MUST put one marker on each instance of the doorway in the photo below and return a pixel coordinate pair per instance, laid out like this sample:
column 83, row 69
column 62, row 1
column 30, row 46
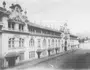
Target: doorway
column 11, row 61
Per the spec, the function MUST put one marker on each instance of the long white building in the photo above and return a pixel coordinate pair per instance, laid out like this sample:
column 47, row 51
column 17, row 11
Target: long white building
column 22, row 40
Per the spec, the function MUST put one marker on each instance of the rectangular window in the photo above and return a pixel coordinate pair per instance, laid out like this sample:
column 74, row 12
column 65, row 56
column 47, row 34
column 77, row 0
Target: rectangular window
column 59, row 43
column 21, row 57
column 31, row 54
column 11, row 43
column 31, row 43
column 56, row 43
column 21, row 27
column 21, row 42
column 32, row 30
column 11, row 25
column 39, row 43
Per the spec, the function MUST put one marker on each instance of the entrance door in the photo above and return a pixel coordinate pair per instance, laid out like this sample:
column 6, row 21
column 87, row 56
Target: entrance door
column 65, row 48
column 11, row 61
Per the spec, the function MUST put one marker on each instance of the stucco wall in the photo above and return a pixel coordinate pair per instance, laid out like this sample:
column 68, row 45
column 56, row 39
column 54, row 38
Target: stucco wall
column 0, row 44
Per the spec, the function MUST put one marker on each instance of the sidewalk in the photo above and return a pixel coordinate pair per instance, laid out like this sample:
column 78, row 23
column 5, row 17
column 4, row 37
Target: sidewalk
column 34, row 62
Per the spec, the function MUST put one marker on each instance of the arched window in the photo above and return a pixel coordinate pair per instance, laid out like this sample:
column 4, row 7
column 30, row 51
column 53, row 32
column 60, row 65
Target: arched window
column 31, row 43
column 11, row 42
column 44, row 43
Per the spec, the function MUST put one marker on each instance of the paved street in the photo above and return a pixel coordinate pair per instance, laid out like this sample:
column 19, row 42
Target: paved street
column 76, row 60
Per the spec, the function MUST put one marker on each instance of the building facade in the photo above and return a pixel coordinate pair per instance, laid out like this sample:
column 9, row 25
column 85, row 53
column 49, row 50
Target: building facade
column 22, row 40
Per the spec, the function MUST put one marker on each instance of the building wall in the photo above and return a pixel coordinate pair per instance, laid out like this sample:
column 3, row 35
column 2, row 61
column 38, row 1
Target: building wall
column 26, row 49
column 0, row 44
column 29, row 52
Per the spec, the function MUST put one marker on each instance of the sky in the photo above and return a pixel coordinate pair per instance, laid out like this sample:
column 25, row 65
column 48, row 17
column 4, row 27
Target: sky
column 54, row 13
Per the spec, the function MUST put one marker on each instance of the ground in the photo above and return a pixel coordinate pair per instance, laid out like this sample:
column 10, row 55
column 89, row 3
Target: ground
column 75, row 60
column 80, row 59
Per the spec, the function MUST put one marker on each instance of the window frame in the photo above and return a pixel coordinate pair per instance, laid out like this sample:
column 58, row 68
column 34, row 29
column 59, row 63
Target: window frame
column 11, row 42
column 21, row 27
column 31, row 42
column 31, row 54
column 44, row 43
column 11, row 25
column 39, row 45
column 21, row 42
column 20, row 57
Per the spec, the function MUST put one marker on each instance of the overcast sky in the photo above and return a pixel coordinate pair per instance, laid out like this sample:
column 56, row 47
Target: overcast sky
column 55, row 12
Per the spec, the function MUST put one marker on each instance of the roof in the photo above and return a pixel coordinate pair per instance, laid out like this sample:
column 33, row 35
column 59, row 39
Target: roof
column 42, row 27
column 73, row 36
column 30, row 23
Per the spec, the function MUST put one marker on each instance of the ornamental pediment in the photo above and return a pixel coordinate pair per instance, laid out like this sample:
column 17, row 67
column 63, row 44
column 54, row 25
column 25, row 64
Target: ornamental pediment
column 14, row 14
column 18, row 18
